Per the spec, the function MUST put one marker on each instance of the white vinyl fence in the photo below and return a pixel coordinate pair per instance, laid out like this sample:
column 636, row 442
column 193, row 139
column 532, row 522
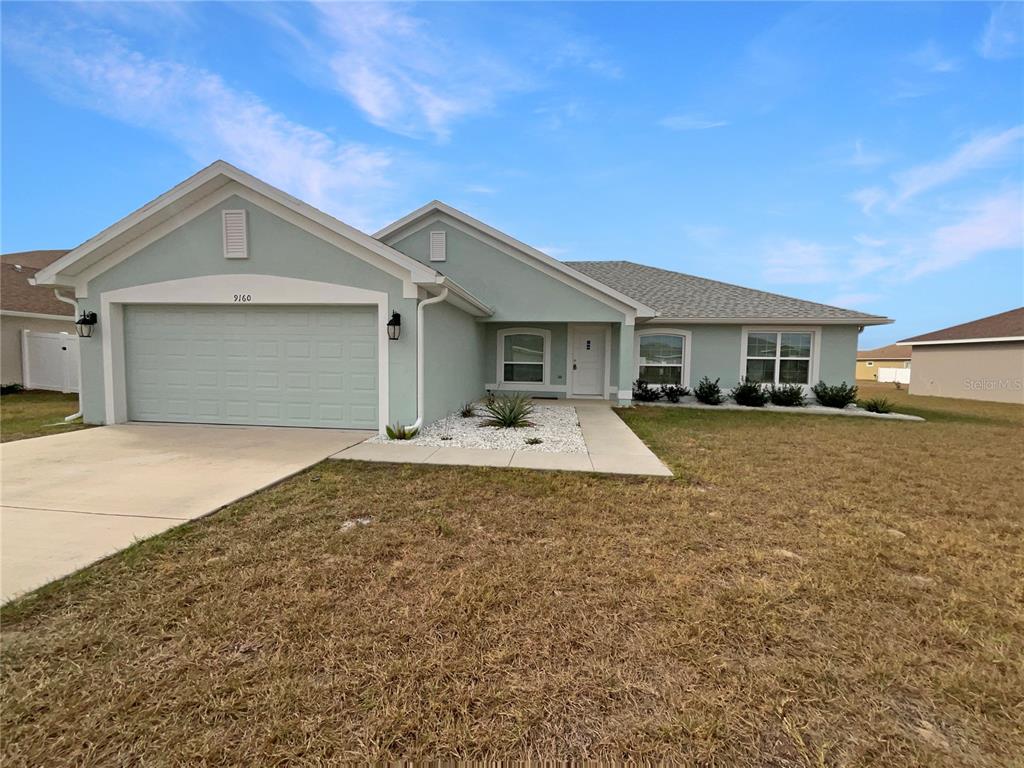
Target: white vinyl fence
column 49, row 361
column 899, row 375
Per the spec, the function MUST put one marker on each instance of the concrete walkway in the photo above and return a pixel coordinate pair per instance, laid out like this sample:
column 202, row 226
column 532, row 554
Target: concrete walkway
column 611, row 447
column 68, row 500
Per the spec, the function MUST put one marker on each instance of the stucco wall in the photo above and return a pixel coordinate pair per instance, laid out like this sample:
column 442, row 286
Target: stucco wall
column 276, row 247
column 453, row 359
column 10, row 342
column 515, row 290
column 970, row 371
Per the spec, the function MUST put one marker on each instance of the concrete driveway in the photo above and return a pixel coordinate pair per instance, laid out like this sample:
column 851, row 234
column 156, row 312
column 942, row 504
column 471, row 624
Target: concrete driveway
column 69, row 500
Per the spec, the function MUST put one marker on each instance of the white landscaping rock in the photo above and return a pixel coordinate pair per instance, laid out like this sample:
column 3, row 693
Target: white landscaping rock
column 557, row 426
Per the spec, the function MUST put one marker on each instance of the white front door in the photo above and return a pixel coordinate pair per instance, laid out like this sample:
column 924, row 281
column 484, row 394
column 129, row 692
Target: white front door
column 588, row 360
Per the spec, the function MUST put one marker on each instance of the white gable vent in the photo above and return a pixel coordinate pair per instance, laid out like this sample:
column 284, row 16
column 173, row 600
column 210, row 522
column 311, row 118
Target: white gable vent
column 438, row 246
column 236, row 242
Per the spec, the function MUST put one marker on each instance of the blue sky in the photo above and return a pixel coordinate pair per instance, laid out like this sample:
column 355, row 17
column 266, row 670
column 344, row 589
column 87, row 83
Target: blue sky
column 866, row 155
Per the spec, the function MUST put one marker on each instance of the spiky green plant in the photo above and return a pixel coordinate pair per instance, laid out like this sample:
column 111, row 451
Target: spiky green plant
column 877, row 405
column 509, row 411
column 400, row 432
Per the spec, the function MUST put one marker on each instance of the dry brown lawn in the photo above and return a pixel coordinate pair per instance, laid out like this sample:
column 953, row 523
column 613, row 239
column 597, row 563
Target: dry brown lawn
column 809, row 591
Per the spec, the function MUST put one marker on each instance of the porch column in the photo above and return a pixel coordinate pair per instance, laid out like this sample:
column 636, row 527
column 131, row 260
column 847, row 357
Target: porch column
column 626, row 372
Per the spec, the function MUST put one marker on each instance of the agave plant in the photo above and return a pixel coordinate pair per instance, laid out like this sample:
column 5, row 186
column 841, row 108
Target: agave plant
column 509, row 411
column 399, row 432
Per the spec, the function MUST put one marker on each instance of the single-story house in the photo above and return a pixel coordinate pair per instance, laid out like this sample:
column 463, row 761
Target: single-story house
column 27, row 307
column 870, row 360
column 226, row 300
column 979, row 360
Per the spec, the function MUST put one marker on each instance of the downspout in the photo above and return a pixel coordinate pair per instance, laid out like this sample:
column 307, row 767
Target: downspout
column 73, row 303
column 420, row 364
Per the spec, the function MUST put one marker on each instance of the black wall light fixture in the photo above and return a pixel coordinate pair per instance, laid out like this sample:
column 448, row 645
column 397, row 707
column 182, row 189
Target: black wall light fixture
column 395, row 326
column 85, row 324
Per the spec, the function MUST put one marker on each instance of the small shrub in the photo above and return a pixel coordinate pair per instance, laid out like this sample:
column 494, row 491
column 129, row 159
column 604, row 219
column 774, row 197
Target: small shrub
column 534, row 440
column 877, row 405
column 673, row 392
column 510, row 411
column 644, row 392
column 10, row 389
column 708, row 392
column 399, row 432
column 834, row 395
column 468, row 410
column 749, row 393
column 789, row 395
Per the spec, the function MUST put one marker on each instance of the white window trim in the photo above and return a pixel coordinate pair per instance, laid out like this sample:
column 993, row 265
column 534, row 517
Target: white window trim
column 220, row 290
column 546, row 364
column 870, row 363
column 687, row 352
column 814, row 375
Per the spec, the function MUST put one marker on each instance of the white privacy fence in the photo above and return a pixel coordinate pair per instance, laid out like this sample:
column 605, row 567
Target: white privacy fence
column 49, row 361
column 898, row 375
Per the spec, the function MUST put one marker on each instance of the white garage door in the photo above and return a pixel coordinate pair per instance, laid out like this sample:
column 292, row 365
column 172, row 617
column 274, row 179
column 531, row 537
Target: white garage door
column 273, row 366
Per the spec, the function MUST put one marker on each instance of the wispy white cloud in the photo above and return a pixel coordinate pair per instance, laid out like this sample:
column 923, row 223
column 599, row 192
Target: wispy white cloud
column 203, row 115
column 405, row 74
column 994, row 223
column 481, row 189
column 869, row 242
column 690, row 123
column 931, row 58
column 980, row 152
column 1003, row 36
column 868, row 198
column 798, row 262
column 860, row 157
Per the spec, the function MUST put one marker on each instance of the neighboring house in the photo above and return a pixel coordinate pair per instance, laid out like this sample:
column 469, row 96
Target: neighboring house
column 980, row 360
column 27, row 307
column 870, row 360
column 226, row 300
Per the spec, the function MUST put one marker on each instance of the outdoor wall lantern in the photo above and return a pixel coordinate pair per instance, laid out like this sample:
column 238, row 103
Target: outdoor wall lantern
column 85, row 324
column 394, row 326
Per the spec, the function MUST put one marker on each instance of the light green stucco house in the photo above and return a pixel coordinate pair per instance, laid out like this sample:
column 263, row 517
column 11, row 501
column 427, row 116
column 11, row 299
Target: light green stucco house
column 228, row 301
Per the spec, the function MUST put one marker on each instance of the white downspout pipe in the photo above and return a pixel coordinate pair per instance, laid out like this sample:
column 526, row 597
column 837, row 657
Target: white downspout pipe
column 420, row 363
column 73, row 303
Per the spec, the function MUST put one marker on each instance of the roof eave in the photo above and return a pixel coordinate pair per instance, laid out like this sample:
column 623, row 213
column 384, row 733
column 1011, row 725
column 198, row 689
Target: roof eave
column 975, row 340
column 751, row 320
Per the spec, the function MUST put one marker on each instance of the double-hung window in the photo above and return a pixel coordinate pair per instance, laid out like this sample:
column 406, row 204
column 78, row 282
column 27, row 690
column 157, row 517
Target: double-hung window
column 661, row 358
column 779, row 357
column 524, row 357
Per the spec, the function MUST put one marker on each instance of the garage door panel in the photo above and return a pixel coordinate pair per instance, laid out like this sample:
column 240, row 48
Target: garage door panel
column 277, row 366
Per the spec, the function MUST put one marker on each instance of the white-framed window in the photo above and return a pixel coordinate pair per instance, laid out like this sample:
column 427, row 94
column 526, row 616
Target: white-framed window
column 870, row 363
column 780, row 356
column 524, row 355
column 663, row 356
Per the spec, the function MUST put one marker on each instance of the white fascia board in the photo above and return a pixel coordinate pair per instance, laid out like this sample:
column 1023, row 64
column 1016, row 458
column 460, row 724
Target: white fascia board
column 469, row 302
column 771, row 320
column 959, row 341
column 35, row 315
column 216, row 175
column 422, row 217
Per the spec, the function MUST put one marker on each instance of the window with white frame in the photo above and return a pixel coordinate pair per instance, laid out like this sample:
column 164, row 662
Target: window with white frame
column 871, row 363
column 779, row 357
column 523, row 357
column 661, row 358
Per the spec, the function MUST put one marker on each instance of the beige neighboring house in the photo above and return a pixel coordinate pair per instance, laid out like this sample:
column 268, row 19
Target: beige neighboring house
column 980, row 360
column 870, row 360
column 27, row 307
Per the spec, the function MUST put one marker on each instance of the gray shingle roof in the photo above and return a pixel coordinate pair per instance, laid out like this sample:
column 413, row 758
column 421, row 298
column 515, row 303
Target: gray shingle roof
column 676, row 295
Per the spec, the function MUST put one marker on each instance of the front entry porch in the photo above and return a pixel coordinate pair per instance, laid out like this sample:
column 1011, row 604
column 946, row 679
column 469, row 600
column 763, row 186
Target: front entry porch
column 561, row 360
